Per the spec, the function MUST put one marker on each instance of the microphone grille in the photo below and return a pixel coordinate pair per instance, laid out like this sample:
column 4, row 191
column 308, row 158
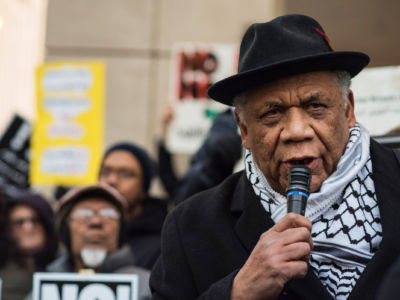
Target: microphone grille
column 299, row 179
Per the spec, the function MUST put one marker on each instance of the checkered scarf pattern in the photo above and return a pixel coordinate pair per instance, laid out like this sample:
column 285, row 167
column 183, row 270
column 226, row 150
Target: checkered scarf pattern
column 346, row 221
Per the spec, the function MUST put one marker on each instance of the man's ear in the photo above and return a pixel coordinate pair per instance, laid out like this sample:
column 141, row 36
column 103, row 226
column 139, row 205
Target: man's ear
column 243, row 129
column 350, row 116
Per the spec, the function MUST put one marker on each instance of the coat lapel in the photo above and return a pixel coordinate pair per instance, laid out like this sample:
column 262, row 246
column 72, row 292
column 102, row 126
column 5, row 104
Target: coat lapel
column 386, row 175
column 252, row 221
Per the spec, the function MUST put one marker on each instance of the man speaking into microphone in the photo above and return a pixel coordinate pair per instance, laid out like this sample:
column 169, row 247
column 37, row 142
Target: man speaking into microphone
column 294, row 107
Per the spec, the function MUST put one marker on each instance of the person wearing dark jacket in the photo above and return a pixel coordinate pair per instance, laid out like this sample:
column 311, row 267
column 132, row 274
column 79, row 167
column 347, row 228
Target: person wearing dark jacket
column 3, row 230
column 91, row 223
column 129, row 169
column 294, row 107
column 209, row 166
column 32, row 242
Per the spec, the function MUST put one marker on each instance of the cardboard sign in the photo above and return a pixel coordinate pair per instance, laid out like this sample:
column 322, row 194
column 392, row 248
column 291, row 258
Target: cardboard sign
column 14, row 155
column 74, row 286
column 195, row 68
column 67, row 138
column 377, row 99
column 192, row 120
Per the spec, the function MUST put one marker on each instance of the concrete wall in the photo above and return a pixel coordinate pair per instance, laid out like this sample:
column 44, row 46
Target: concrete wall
column 364, row 25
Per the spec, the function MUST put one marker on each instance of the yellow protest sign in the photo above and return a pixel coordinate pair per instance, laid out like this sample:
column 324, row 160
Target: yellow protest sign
column 67, row 138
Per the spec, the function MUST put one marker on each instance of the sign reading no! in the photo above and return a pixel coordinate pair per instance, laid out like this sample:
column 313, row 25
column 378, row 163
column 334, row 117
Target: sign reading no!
column 73, row 286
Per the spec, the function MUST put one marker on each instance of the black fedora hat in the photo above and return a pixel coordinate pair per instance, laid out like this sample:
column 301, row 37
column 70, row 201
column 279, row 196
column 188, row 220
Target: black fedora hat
column 287, row 45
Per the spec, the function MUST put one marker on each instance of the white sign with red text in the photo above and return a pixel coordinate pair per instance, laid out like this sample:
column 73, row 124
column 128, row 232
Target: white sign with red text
column 195, row 68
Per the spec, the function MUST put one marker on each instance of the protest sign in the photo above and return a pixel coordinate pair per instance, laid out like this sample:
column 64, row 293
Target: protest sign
column 377, row 99
column 74, row 286
column 14, row 155
column 195, row 68
column 67, row 140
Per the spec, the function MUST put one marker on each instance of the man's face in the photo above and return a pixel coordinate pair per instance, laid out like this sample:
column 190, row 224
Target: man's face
column 122, row 171
column 94, row 224
column 297, row 120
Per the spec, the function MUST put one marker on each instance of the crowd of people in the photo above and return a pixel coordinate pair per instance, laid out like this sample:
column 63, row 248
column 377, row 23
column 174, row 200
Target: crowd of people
column 229, row 236
column 113, row 226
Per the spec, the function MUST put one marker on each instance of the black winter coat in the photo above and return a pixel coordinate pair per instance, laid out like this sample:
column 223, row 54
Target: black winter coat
column 208, row 238
column 143, row 233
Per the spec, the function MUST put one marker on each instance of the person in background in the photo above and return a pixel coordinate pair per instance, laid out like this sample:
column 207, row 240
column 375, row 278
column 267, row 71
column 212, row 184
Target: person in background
column 90, row 221
column 168, row 176
column 3, row 230
column 32, row 242
column 210, row 165
column 129, row 169
column 294, row 106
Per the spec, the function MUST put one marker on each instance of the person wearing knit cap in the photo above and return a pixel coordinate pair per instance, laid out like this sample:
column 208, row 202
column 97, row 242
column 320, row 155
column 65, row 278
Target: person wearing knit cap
column 129, row 169
column 295, row 111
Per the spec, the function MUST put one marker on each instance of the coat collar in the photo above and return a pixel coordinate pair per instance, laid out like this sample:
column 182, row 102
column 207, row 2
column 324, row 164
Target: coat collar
column 253, row 219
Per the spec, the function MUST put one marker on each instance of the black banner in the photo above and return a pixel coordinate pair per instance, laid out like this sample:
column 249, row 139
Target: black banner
column 14, row 155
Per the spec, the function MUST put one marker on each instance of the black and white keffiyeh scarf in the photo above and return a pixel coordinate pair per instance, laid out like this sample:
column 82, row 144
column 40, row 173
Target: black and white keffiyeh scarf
column 346, row 221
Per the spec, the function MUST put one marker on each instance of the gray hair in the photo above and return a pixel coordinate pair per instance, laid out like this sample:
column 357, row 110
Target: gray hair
column 238, row 103
column 343, row 79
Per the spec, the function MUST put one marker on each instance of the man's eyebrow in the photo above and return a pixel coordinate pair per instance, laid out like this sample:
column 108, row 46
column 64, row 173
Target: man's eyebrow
column 272, row 103
column 312, row 97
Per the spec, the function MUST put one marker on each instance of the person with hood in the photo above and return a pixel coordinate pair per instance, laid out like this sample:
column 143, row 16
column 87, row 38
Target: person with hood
column 129, row 169
column 32, row 242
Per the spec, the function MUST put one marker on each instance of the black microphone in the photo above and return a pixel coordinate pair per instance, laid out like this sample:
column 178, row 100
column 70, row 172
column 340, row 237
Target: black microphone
column 298, row 190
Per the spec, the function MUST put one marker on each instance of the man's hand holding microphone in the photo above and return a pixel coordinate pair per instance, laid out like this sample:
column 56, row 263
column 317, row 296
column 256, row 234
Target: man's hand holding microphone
column 282, row 252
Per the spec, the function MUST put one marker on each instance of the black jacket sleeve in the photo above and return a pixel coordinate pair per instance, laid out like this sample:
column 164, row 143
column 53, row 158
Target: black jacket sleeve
column 166, row 171
column 172, row 277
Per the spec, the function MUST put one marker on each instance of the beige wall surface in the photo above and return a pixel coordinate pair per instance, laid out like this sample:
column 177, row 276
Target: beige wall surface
column 222, row 21
column 116, row 24
column 361, row 25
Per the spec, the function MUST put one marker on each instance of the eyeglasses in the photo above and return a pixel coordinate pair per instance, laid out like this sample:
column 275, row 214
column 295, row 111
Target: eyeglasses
column 86, row 214
column 21, row 221
column 122, row 173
